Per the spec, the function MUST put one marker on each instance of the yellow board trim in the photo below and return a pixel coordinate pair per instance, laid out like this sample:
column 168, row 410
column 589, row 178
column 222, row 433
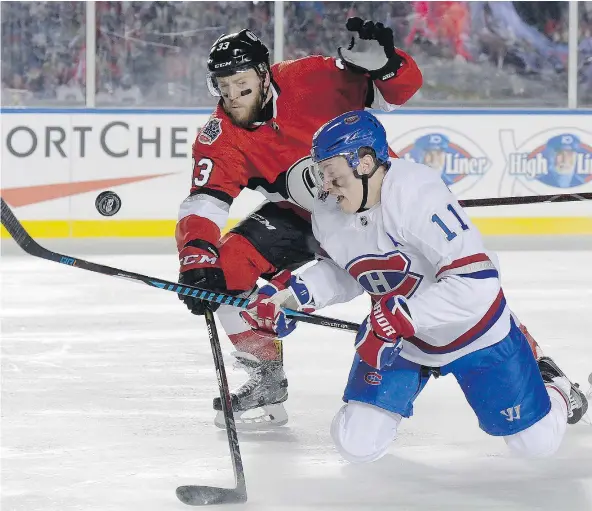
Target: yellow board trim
column 489, row 226
column 534, row 226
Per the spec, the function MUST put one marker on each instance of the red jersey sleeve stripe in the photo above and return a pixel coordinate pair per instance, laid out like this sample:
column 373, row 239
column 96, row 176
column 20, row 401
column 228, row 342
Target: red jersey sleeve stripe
column 463, row 261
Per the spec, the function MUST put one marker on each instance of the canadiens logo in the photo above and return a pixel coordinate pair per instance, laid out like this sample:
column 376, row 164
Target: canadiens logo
column 210, row 132
column 384, row 273
column 372, row 378
column 352, row 119
column 559, row 160
column 460, row 162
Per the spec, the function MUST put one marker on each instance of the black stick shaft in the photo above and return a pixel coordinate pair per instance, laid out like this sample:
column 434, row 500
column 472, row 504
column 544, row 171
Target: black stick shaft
column 194, row 495
column 237, row 463
column 527, row 199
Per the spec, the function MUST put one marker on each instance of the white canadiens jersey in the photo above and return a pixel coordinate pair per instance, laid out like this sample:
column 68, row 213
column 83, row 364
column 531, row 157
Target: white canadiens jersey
column 418, row 243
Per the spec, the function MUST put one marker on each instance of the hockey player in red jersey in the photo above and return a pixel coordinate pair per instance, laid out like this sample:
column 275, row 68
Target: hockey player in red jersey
column 259, row 138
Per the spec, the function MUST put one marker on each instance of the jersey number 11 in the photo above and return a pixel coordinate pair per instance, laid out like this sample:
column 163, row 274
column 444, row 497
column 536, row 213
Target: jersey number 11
column 450, row 235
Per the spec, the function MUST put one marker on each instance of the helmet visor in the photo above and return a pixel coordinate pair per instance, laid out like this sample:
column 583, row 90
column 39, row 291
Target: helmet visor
column 214, row 86
column 212, row 78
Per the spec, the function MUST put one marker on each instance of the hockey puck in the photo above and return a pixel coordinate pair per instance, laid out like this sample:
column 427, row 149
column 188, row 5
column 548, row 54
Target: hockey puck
column 108, row 203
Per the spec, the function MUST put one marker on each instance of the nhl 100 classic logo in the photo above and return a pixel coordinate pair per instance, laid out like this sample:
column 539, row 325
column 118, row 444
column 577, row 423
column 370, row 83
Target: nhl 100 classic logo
column 108, row 203
column 558, row 158
column 459, row 160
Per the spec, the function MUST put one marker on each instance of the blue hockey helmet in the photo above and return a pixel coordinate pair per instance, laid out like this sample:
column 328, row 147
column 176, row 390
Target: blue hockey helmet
column 346, row 134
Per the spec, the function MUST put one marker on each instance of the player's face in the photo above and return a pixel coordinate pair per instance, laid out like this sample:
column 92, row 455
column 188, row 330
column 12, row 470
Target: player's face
column 241, row 96
column 565, row 162
column 339, row 180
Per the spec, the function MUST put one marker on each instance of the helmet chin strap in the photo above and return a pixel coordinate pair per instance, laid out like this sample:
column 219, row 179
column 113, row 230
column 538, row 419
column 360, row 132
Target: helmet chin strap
column 365, row 179
column 362, row 207
column 263, row 91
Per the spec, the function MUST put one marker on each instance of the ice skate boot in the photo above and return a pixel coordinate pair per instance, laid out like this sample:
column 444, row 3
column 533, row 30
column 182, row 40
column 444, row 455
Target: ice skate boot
column 257, row 403
column 577, row 402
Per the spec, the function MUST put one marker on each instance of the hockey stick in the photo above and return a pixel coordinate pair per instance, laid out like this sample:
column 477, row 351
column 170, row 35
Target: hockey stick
column 29, row 245
column 205, row 495
column 527, row 199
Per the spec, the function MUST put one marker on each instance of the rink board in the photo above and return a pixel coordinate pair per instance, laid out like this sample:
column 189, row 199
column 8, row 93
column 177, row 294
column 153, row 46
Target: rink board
column 55, row 163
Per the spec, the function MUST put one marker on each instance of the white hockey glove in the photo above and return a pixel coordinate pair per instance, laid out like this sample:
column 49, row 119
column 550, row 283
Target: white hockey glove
column 371, row 50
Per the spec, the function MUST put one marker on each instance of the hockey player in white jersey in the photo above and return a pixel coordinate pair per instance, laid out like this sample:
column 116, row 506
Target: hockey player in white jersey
column 393, row 229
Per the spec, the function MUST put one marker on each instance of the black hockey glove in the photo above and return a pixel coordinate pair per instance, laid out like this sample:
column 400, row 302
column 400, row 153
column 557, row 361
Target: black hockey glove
column 371, row 50
column 200, row 267
column 211, row 279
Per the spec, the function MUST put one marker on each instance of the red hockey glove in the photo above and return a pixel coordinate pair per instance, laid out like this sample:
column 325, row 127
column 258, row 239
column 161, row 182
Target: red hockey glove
column 391, row 317
column 265, row 312
column 379, row 339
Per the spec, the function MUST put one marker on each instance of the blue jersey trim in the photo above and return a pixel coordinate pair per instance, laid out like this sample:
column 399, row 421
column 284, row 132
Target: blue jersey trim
column 481, row 274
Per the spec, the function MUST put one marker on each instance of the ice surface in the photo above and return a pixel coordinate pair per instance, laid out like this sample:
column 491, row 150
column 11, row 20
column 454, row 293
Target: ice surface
column 107, row 389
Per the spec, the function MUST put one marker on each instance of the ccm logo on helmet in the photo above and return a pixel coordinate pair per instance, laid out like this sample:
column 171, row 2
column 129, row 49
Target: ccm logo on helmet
column 251, row 36
column 191, row 259
column 223, row 64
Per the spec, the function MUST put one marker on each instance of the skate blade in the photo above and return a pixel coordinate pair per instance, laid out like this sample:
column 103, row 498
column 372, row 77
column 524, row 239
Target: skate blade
column 264, row 417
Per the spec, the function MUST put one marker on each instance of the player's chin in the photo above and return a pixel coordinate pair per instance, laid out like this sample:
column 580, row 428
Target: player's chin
column 241, row 117
column 345, row 205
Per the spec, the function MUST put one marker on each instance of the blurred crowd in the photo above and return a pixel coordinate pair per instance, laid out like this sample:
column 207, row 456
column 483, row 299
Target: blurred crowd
column 154, row 53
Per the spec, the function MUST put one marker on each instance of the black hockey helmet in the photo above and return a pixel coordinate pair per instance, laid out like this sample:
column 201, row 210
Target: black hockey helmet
column 233, row 53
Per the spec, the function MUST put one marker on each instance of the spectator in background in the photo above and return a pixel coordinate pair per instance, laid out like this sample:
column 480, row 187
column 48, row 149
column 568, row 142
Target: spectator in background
column 154, row 53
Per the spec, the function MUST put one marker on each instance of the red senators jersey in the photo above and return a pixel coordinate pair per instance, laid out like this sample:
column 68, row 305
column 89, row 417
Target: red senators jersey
column 274, row 157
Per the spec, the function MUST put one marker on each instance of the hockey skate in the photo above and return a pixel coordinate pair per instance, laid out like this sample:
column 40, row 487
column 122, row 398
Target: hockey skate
column 577, row 402
column 258, row 402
